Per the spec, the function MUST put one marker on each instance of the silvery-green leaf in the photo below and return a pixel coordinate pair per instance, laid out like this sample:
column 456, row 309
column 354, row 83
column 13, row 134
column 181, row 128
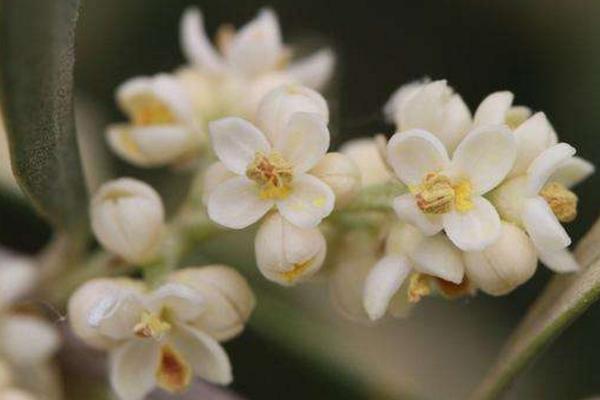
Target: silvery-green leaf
column 565, row 298
column 36, row 82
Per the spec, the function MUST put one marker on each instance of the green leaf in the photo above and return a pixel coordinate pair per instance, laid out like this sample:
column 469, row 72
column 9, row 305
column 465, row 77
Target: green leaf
column 36, row 82
column 562, row 302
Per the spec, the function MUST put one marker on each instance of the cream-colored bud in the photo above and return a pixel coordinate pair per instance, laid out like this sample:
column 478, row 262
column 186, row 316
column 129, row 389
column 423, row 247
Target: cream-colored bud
column 18, row 275
column 229, row 300
column 366, row 156
column 128, row 219
column 27, row 339
column 86, row 298
column 341, row 174
column 509, row 198
column 287, row 254
column 504, row 265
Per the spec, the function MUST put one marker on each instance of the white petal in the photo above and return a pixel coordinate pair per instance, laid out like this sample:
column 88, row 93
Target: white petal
column 415, row 153
column 475, row 229
column 216, row 174
column 393, row 108
column 366, row 155
column 183, row 301
column 314, row 70
column 196, row 46
column 561, row 261
column 133, row 367
column 208, row 359
column 309, row 202
column 28, row 340
column 493, row 109
column 277, row 107
column 485, row 157
column 437, row 256
column 236, row 203
column 236, row 142
column 572, row 172
column 256, row 48
column 383, row 282
column 542, row 168
column 116, row 315
column 169, row 89
column 533, row 137
column 407, row 210
column 543, row 227
column 305, row 141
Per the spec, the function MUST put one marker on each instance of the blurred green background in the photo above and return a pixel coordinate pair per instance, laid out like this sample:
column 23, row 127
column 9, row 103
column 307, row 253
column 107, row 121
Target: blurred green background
column 546, row 52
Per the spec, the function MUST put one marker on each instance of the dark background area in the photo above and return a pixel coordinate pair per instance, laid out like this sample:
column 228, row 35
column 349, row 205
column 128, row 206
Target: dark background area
column 546, row 52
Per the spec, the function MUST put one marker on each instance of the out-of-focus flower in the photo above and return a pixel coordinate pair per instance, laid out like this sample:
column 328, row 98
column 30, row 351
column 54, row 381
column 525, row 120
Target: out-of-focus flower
column 433, row 107
column 249, row 63
column 341, row 174
column 365, row 154
column 18, row 276
column 164, row 127
column 448, row 194
column 540, row 199
column 128, row 219
column 11, row 393
column 163, row 337
column 410, row 259
column 506, row 264
column 272, row 167
column 287, row 254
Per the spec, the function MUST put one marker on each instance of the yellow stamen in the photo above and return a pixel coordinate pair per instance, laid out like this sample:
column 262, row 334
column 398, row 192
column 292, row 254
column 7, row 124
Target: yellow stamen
column 174, row 374
column 435, row 195
column 147, row 110
column 462, row 192
column 273, row 173
column 561, row 200
column 151, row 326
column 296, row 271
column 418, row 287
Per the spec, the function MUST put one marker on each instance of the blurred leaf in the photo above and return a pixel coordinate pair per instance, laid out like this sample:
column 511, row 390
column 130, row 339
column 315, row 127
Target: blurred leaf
column 37, row 57
column 562, row 302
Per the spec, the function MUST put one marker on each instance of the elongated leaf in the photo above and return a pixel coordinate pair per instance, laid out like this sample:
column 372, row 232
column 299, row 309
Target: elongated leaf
column 564, row 299
column 36, row 82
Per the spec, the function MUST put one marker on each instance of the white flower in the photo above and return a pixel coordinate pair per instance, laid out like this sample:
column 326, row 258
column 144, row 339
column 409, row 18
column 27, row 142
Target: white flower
column 506, row 264
column 287, row 254
column 447, row 194
column 164, row 127
column 163, row 337
column 539, row 199
column 253, row 51
column 497, row 109
column 128, row 218
column 365, row 154
column 272, row 167
column 341, row 174
column 433, row 107
column 407, row 251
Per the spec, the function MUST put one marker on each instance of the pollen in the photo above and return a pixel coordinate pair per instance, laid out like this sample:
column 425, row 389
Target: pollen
column 273, row 174
column 561, row 200
column 298, row 269
column 435, row 195
column 151, row 111
column 174, row 374
column 418, row 287
column 151, row 326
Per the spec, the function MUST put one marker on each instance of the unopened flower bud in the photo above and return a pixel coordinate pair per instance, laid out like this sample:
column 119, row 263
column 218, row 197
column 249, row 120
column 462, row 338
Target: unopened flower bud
column 229, row 300
column 87, row 298
column 287, row 254
column 366, row 155
column 127, row 219
column 504, row 265
column 341, row 174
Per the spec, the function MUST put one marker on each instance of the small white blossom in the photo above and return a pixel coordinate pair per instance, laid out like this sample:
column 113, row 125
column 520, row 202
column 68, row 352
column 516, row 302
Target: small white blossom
column 365, row 154
column 341, row 174
column 164, row 127
column 128, row 219
column 166, row 336
column 448, row 194
column 506, row 264
column 272, row 166
column 287, row 254
column 433, row 107
column 407, row 251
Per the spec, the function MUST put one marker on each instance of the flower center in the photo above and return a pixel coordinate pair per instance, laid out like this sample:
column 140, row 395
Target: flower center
column 152, row 325
column 418, row 287
column 151, row 111
column 272, row 173
column 174, row 374
column 561, row 200
column 437, row 194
